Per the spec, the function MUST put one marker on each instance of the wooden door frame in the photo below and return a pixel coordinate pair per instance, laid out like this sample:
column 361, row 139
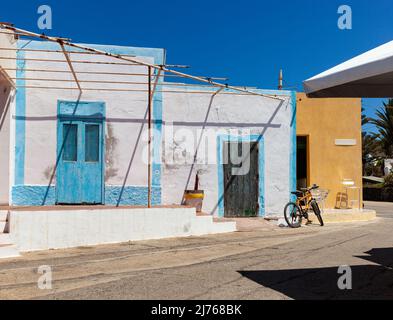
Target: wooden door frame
column 221, row 140
column 307, row 136
column 97, row 113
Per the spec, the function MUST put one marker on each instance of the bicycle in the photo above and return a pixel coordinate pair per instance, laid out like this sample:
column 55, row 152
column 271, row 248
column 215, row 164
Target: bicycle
column 294, row 212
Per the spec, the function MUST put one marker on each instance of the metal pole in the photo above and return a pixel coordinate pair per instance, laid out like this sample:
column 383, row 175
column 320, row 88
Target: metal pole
column 129, row 90
column 169, row 84
column 104, row 53
column 71, row 66
column 150, row 138
column 104, row 73
column 9, row 79
column 151, row 96
column 74, row 61
column 280, row 80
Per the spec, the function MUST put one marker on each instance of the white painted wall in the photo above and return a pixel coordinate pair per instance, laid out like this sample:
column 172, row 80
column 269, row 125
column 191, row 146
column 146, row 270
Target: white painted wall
column 6, row 100
column 6, row 109
column 125, row 112
column 226, row 111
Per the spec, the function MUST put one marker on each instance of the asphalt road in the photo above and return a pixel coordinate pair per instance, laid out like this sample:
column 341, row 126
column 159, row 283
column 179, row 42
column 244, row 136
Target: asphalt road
column 268, row 263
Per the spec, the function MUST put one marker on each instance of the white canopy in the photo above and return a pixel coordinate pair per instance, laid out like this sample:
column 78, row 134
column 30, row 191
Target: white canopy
column 369, row 75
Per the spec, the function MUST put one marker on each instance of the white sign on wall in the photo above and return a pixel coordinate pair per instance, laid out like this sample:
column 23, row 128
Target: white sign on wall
column 346, row 142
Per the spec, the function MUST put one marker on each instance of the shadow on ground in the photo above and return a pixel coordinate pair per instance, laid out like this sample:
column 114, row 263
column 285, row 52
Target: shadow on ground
column 368, row 281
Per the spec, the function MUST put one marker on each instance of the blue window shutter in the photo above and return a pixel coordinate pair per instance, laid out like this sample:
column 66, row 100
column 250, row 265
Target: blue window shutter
column 92, row 143
column 70, row 138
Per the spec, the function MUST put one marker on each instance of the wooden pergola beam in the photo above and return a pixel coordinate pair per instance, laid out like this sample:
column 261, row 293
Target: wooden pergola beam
column 129, row 59
column 7, row 77
column 70, row 65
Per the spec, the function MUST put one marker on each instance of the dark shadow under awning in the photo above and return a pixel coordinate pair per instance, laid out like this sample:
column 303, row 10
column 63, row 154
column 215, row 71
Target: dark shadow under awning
column 368, row 75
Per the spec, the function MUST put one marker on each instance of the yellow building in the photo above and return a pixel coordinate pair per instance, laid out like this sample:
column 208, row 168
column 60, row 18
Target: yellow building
column 330, row 146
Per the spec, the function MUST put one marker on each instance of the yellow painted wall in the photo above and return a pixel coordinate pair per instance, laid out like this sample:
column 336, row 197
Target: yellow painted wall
column 324, row 121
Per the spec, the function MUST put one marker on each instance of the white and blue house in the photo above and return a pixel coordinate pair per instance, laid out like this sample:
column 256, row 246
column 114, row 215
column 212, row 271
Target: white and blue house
column 60, row 147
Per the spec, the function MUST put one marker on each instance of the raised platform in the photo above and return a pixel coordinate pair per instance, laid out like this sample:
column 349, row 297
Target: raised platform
column 7, row 248
column 44, row 228
column 350, row 215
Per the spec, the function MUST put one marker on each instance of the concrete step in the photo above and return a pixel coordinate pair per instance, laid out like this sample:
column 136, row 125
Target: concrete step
column 5, row 238
column 224, row 227
column 8, row 251
column 3, row 215
column 204, row 225
column 201, row 225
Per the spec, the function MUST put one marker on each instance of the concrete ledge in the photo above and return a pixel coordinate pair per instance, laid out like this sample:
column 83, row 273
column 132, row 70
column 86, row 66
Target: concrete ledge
column 339, row 216
column 8, row 251
column 60, row 229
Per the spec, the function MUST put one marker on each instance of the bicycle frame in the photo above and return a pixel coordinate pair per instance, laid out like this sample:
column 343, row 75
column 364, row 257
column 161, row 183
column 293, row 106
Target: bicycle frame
column 304, row 203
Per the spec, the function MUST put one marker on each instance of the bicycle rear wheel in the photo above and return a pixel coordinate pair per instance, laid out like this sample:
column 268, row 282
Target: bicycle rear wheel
column 293, row 215
column 317, row 211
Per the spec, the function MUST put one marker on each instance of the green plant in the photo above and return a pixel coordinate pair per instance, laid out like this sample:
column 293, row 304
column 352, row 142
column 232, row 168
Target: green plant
column 372, row 149
column 384, row 125
column 389, row 181
column 365, row 119
column 373, row 186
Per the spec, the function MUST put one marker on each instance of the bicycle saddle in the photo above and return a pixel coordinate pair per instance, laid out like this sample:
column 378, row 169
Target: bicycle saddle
column 298, row 193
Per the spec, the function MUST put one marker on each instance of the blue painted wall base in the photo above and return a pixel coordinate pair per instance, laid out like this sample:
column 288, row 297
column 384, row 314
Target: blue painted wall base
column 25, row 195
column 46, row 196
column 33, row 196
column 131, row 196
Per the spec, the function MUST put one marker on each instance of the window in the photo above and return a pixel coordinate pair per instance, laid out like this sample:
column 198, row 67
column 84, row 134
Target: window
column 92, row 146
column 70, row 140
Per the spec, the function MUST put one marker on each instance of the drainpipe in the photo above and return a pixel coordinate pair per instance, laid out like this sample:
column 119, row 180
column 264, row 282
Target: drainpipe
column 280, row 80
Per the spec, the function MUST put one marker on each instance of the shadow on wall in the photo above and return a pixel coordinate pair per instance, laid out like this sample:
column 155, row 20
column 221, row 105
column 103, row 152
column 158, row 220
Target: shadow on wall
column 59, row 155
column 7, row 96
column 5, row 105
column 111, row 143
column 372, row 282
column 205, row 124
column 132, row 157
column 186, row 187
column 263, row 132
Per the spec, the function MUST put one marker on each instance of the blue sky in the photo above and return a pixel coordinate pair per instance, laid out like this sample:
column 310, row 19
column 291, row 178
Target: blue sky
column 247, row 41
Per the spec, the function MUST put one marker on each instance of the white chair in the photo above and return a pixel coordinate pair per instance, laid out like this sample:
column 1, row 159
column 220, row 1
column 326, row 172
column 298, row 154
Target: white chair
column 349, row 185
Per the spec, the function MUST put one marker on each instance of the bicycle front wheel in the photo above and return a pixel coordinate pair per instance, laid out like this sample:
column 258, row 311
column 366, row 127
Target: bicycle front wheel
column 317, row 212
column 293, row 215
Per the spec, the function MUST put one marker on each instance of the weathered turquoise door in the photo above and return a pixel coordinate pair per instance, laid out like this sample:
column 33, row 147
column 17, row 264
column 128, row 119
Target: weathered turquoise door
column 80, row 160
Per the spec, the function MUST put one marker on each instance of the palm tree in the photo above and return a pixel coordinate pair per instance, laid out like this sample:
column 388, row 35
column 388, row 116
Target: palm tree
column 384, row 125
column 371, row 153
column 368, row 144
column 365, row 119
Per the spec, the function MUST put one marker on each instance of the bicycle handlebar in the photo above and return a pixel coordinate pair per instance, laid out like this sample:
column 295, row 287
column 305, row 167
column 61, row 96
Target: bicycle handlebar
column 314, row 187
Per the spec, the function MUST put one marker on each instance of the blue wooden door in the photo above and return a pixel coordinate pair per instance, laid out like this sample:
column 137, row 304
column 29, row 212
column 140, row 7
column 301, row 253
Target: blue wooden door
column 80, row 163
